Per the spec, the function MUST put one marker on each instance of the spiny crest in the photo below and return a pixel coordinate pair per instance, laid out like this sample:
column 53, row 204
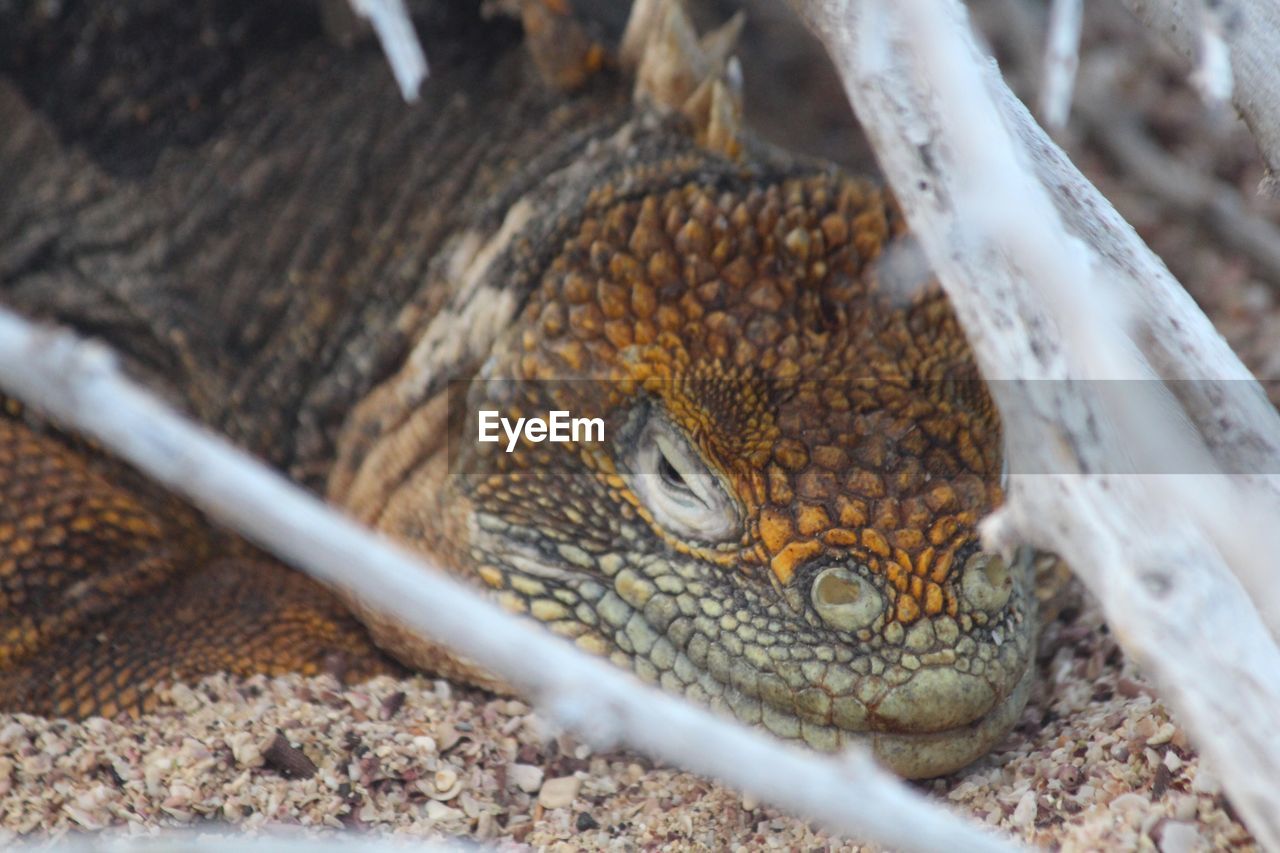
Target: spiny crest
column 676, row 70
column 565, row 53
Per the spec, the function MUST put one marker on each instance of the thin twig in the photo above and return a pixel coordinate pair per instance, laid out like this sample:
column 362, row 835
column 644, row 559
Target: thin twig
column 1023, row 245
column 79, row 385
column 1212, row 77
column 1250, row 30
column 1061, row 61
column 1184, row 189
column 390, row 20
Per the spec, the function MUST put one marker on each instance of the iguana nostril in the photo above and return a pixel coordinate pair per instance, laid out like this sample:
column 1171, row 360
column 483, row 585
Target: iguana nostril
column 844, row 600
column 986, row 583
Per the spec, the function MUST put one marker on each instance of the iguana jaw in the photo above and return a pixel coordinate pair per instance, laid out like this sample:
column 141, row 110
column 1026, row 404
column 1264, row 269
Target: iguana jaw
column 923, row 756
column 662, row 618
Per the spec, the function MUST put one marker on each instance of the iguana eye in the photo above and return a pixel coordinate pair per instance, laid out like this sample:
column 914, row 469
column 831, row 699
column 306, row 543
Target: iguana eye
column 673, row 482
column 671, row 478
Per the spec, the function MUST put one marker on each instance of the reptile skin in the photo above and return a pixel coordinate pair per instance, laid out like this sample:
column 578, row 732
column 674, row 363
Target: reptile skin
column 779, row 522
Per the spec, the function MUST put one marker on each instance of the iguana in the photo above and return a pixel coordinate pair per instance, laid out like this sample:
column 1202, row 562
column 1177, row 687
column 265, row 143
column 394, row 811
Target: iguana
column 780, row 517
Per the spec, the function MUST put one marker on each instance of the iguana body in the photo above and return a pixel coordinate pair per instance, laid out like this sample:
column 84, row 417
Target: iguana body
column 780, row 520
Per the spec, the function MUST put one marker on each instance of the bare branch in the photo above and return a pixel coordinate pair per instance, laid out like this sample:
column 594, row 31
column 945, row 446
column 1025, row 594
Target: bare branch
column 390, row 20
column 1212, row 77
column 1250, row 30
column 1023, row 244
column 1183, row 188
column 78, row 384
column 1061, row 61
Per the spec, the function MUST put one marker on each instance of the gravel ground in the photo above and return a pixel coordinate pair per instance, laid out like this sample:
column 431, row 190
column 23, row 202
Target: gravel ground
column 1096, row 761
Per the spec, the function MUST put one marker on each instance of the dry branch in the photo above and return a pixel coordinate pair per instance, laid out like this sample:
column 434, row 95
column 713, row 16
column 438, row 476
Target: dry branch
column 78, row 384
column 1053, row 288
column 1061, row 61
column 1251, row 32
column 1182, row 188
column 390, row 20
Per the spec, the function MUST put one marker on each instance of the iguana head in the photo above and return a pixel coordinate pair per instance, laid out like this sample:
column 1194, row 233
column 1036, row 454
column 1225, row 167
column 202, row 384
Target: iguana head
column 780, row 517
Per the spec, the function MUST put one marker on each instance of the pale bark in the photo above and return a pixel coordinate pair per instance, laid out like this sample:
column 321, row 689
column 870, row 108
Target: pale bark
column 1061, row 62
column 1059, row 296
column 1022, row 242
column 390, row 20
column 1251, row 30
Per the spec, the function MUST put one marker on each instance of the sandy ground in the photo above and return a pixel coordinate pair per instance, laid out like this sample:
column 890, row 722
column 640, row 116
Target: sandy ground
column 1096, row 761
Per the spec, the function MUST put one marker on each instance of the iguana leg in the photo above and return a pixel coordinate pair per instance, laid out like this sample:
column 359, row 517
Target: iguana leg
column 109, row 587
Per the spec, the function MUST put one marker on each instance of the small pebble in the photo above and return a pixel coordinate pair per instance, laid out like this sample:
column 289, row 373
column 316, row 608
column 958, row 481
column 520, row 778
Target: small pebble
column 526, row 777
column 288, row 760
column 1205, row 783
column 1070, row 776
column 559, row 792
column 1130, row 802
column 1160, row 783
column 447, row 737
column 391, row 705
column 1179, row 837
column 1185, row 806
column 446, row 778
column 1025, row 812
column 438, row 811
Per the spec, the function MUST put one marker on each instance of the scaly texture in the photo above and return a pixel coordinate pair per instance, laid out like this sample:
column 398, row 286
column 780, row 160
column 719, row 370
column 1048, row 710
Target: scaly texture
column 779, row 520
column 110, row 587
column 754, row 317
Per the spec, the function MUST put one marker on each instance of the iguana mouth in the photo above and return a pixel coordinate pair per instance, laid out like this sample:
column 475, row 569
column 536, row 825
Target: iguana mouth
column 924, row 710
column 927, row 754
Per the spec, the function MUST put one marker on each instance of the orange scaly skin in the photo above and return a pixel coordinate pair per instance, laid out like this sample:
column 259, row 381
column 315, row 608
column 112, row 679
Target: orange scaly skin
column 758, row 316
column 111, row 587
column 750, row 316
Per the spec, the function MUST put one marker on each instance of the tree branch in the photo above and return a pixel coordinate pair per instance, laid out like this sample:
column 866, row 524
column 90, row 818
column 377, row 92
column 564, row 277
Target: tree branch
column 1061, row 62
column 1182, row 188
column 1059, row 298
column 1251, row 31
column 390, row 20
